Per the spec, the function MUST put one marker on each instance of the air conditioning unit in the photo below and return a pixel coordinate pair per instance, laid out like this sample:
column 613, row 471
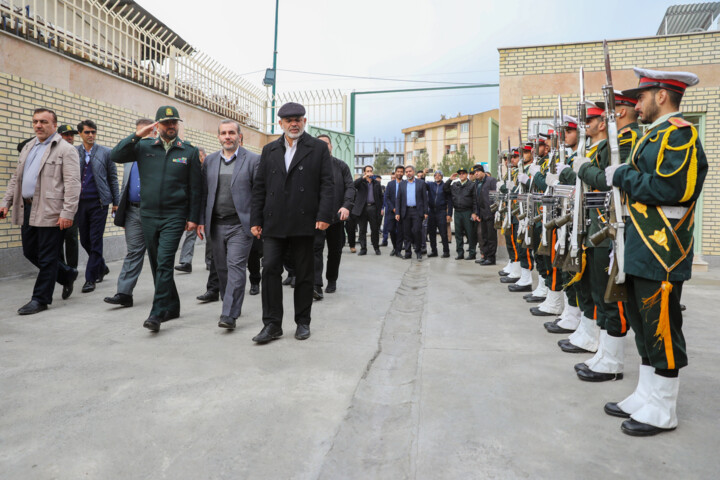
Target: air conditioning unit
column 413, row 135
column 453, row 148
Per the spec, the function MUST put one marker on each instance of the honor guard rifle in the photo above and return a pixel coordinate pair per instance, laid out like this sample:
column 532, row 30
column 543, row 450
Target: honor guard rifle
column 562, row 229
column 548, row 202
column 575, row 258
column 507, row 221
column 615, row 226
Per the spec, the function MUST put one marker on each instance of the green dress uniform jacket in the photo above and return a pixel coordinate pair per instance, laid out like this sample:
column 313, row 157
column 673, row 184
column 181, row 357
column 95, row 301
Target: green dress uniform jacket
column 172, row 177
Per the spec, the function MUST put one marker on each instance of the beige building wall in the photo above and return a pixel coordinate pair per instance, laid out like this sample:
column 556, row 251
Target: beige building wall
column 529, row 88
column 32, row 76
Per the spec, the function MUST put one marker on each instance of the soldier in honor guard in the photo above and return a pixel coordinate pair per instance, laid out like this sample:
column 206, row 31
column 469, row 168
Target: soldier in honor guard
column 170, row 176
column 608, row 362
column 662, row 181
column 512, row 269
column 527, row 262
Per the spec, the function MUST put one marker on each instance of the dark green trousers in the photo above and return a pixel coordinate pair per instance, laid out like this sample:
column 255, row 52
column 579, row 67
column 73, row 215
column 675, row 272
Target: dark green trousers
column 665, row 354
column 570, row 291
column 584, row 292
column 464, row 227
column 162, row 237
column 611, row 316
column 539, row 259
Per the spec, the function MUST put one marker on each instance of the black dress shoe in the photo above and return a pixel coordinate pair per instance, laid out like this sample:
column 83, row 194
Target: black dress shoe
column 590, row 376
column 432, row 254
column 184, row 267
column 292, row 282
column 378, row 252
column 69, row 285
column 509, row 279
column 120, row 299
column 317, row 292
column 637, row 429
column 487, row 262
column 446, row 255
column 302, row 332
column 534, row 299
column 539, row 313
column 384, row 244
column 553, row 327
column 170, row 316
column 407, row 256
column 612, row 408
column 288, row 280
column 88, row 287
column 362, row 252
column 503, row 273
column 392, row 253
column 419, row 256
column 423, row 251
column 105, row 271
column 269, row 333
column 209, row 296
column 568, row 347
column 470, row 257
column 682, row 307
column 460, row 257
column 33, row 306
column 254, row 288
column 226, row 322
column 519, row 288
column 331, row 287
column 153, row 323
column 581, row 366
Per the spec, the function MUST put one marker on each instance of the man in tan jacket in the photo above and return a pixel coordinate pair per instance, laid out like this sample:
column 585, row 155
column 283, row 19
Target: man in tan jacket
column 45, row 190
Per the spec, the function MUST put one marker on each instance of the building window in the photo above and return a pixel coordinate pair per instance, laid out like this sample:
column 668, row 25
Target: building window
column 464, row 127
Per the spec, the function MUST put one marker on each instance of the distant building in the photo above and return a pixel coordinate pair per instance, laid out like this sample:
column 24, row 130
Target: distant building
column 475, row 134
column 365, row 153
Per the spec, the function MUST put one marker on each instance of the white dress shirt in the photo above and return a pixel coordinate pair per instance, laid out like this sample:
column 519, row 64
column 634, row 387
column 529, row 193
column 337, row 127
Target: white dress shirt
column 289, row 153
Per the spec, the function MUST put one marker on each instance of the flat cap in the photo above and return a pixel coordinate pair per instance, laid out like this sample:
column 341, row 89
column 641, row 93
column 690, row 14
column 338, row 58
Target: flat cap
column 291, row 109
column 674, row 81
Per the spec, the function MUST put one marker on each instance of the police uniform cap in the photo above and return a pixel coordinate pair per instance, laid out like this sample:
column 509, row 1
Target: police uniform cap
column 570, row 122
column 291, row 109
column 167, row 112
column 674, row 81
column 593, row 110
column 462, row 170
column 620, row 99
column 528, row 147
column 478, row 168
column 64, row 129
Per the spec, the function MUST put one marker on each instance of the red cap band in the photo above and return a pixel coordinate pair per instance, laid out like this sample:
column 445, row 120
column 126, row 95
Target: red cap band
column 672, row 85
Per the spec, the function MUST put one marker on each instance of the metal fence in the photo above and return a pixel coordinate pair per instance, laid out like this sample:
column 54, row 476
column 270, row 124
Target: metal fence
column 121, row 37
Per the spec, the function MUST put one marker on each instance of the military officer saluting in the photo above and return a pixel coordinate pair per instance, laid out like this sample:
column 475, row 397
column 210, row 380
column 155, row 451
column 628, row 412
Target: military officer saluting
column 662, row 181
column 170, row 203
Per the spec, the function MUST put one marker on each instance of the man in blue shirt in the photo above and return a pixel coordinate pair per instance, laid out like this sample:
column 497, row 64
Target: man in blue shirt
column 412, row 208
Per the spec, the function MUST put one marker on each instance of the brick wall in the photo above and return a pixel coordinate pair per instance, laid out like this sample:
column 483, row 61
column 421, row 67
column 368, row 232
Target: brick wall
column 531, row 78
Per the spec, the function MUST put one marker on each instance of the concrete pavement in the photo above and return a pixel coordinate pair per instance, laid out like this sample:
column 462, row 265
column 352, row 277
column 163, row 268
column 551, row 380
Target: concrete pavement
column 423, row 370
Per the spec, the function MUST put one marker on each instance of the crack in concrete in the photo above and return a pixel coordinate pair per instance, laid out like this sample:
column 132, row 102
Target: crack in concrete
column 378, row 436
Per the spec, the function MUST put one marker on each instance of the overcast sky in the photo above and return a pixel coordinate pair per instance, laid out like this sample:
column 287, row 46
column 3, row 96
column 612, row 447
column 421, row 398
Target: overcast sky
column 452, row 41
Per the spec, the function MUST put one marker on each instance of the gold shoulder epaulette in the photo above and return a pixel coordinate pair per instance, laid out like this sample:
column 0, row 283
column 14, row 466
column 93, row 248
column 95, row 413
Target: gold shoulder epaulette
column 679, row 122
column 625, row 130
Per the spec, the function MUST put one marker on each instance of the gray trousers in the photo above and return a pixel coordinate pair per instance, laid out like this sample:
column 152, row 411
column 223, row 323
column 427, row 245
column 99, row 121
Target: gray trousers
column 135, row 241
column 188, row 247
column 231, row 249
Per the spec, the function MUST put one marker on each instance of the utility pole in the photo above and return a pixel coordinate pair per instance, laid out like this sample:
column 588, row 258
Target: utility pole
column 272, row 110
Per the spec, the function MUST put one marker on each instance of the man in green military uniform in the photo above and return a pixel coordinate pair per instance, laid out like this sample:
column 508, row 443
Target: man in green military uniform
column 512, row 269
column 170, row 203
column 608, row 361
column 662, row 182
column 462, row 193
column 527, row 263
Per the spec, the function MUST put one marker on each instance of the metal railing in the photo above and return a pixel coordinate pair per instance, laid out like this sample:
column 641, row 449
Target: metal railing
column 122, row 38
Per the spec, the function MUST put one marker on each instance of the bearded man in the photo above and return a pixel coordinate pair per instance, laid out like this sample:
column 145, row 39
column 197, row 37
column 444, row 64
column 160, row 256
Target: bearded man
column 292, row 196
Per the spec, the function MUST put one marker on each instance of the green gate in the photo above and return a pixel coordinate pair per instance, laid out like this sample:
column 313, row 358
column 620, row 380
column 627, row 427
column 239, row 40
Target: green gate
column 343, row 144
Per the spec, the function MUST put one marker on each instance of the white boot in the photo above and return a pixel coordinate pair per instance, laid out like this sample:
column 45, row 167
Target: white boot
column 587, row 335
column 506, row 268
column 570, row 318
column 598, row 355
column 541, row 290
column 553, row 303
column 515, row 270
column 612, row 358
column 659, row 410
column 525, row 278
column 640, row 396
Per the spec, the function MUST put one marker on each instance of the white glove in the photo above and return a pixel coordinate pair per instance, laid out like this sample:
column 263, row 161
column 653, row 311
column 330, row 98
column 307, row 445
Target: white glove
column 579, row 162
column 509, row 184
column 552, row 179
column 533, row 170
column 561, row 166
column 523, row 178
column 610, row 173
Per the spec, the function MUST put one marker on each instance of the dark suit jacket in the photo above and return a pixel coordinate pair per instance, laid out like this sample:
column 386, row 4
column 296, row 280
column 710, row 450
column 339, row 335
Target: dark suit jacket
column 421, row 199
column 104, row 172
column 344, row 187
column 481, row 203
column 241, row 185
column 121, row 213
column 361, row 187
column 288, row 203
column 390, row 198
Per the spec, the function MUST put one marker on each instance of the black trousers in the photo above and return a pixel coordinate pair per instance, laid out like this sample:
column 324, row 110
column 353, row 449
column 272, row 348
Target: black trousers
column 333, row 237
column 350, row 226
column 438, row 221
column 369, row 215
column 42, row 246
column 256, row 253
column 91, row 216
column 71, row 245
column 412, row 225
column 301, row 252
column 396, row 232
column 488, row 238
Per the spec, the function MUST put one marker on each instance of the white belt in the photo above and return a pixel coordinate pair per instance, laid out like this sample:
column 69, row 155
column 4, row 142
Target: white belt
column 676, row 213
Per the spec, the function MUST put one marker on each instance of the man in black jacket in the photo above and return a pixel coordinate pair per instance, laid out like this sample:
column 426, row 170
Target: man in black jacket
column 440, row 214
column 343, row 198
column 487, row 235
column 462, row 193
column 412, row 208
column 368, row 204
column 292, row 197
